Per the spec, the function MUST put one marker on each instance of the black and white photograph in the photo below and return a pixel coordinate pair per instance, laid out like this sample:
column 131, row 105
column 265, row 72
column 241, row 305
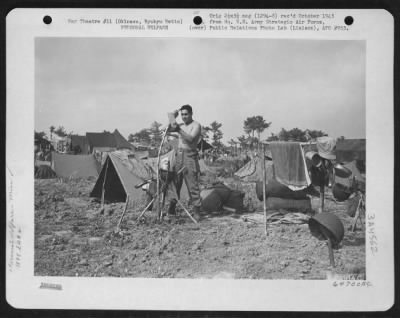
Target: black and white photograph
column 199, row 159
column 202, row 121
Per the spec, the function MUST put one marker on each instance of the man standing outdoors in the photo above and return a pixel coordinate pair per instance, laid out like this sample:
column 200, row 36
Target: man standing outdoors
column 189, row 134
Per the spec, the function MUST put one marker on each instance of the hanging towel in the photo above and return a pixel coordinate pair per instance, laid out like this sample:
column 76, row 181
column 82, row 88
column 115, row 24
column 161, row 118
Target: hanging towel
column 290, row 165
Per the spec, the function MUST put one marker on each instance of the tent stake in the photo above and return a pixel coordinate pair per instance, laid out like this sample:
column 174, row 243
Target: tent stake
column 145, row 209
column 123, row 213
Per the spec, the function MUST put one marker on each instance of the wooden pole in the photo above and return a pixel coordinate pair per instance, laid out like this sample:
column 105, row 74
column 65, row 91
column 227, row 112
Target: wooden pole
column 104, row 183
column 321, row 198
column 262, row 157
column 322, row 187
column 356, row 216
column 331, row 257
column 158, row 204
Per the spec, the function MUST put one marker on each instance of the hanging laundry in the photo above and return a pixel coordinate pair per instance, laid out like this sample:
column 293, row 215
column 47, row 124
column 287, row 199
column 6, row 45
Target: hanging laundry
column 290, row 165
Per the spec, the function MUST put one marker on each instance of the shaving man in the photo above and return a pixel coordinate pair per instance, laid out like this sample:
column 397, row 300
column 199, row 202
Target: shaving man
column 189, row 134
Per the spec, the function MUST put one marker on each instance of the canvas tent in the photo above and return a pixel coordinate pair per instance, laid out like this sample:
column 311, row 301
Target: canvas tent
column 204, row 145
column 75, row 166
column 79, row 142
column 348, row 150
column 107, row 142
column 121, row 142
column 104, row 140
column 252, row 171
column 44, row 172
column 120, row 174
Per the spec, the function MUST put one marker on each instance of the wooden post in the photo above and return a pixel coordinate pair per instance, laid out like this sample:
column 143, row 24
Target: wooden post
column 356, row 216
column 322, row 187
column 158, row 203
column 262, row 157
column 331, row 257
column 104, row 183
column 321, row 198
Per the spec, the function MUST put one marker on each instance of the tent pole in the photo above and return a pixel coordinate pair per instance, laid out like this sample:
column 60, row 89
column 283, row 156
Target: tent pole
column 264, row 188
column 104, row 183
column 158, row 205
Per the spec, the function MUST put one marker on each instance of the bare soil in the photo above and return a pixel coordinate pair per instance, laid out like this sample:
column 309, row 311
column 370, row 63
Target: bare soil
column 75, row 237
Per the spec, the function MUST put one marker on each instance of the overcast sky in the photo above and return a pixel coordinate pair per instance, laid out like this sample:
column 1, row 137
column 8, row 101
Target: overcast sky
column 96, row 84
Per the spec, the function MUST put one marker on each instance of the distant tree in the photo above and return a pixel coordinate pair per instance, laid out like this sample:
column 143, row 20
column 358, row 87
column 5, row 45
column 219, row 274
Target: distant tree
column 60, row 131
column 317, row 133
column 261, row 125
column 250, row 126
column 40, row 140
column 39, row 135
column 142, row 136
column 273, row 137
column 156, row 133
column 215, row 129
column 52, row 128
column 255, row 124
column 131, row 138
column 242, row 141
column 283, row 135
column 232, row 143
column 204, row 132
column 296, row 134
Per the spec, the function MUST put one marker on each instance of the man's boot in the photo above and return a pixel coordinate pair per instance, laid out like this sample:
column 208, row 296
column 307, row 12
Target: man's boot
column 172, row 207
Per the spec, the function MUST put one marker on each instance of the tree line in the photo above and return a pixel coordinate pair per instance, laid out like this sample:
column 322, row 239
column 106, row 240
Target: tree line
column 253, row 127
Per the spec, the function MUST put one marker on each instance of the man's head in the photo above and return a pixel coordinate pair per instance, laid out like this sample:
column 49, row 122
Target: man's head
column 186, row 114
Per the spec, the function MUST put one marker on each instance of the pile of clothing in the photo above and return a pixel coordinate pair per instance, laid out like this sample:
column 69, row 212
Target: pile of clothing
column 218, row 196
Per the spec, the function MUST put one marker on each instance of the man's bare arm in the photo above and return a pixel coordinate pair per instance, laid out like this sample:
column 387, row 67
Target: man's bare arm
column 193, row 135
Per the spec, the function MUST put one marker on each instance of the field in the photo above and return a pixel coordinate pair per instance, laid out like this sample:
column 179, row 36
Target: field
column 74, row 237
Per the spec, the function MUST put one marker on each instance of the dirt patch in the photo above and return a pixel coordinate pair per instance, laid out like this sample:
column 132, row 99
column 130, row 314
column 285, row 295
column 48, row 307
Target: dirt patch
column 74, row 237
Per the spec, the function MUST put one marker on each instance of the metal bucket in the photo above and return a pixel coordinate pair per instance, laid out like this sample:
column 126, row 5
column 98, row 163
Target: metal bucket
column 341, row 192
column 341, row 171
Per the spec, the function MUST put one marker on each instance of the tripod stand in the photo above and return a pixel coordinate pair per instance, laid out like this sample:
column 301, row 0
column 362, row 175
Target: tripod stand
column 165, row 189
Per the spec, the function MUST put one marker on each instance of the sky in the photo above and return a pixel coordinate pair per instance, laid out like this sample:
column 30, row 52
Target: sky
column 96, row 84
